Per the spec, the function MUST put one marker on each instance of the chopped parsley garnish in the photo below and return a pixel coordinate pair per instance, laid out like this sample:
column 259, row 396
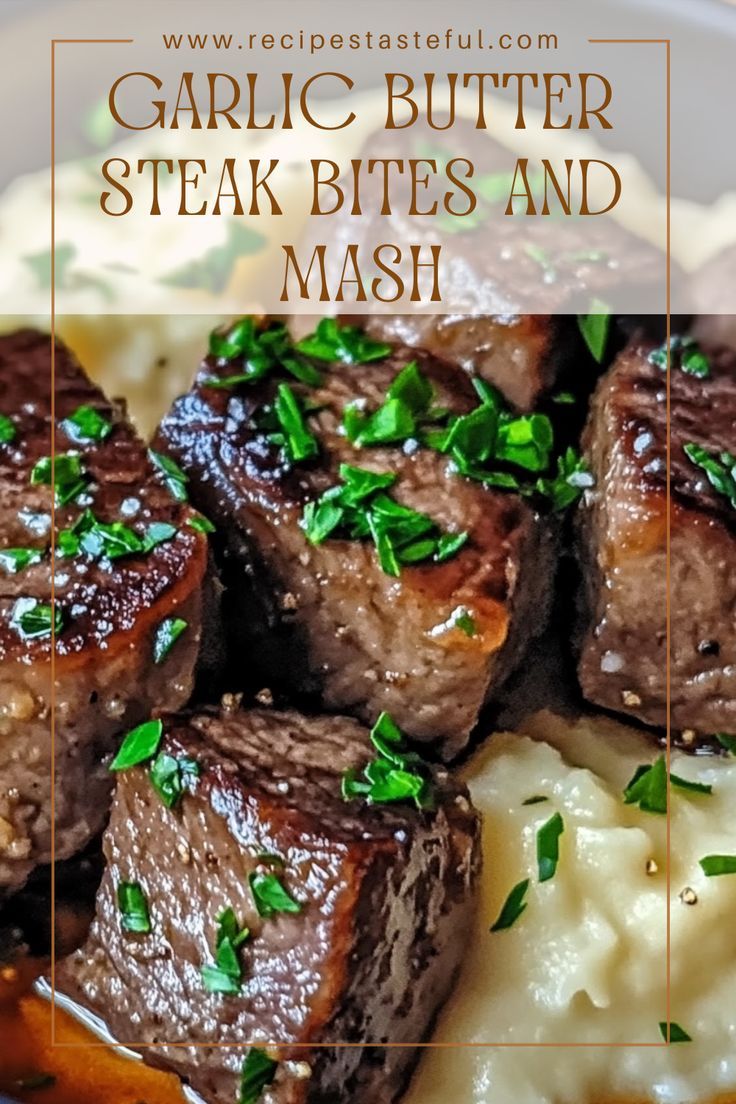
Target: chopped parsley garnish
column 226, row 975
column 14, row 560
column 396, row 773
column 595, row 328
column 134, row 914
column 174, row 478
column 140, row 744
column 270, row 896
column 513, row 907
column 360, row 508
column 257, row 1073
column 167, row 776
column 348, row 344
column 690, row 787
column 296, row 438
column 407, row 405
column 726, row 741
column 673, row 1033
column 33, row 619
column 548, row 847
column 86, row 424
column 720, row 468
column 685, row 353
column 466, row 623
column 573, row 477
column 263, row 349
column 110, row 540
column 648, row 787
column 8, row 431
column 167, row 633
column 68, row 476
column 537, row 799
column 713, row 866
column 200, row 524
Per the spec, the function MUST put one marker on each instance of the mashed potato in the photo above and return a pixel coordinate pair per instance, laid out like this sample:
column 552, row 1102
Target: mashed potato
column 587, row 961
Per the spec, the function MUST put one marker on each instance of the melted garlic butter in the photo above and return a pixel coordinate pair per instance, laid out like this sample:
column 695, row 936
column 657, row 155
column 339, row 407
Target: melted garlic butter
column 586, row 962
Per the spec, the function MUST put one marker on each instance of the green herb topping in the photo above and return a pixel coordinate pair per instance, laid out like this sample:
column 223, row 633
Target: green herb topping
column 396, row 773
column 673, row 1033
column 69, row 476
column 139, row 745
column 14, row 560
column 726, row 741
column 174, row 477
column 110, row 540
column 263, row 349
column 720, row 469
column 595, row 328
column 270, row 896
column 167, row 633
column 713, row 866
column 8, row 431
column 685, row 353
column 167, row 776
column 548, row 847
column 86, row 424
column 133, row 907
column 295, row 437
column 200, row 524
column 257, row 1073
column 537, row 799
column 32, row 619
column 226, row 975
column 513, row 907
column 573, row 477
column 348, row 344
column 648, row 787
column 361, row 509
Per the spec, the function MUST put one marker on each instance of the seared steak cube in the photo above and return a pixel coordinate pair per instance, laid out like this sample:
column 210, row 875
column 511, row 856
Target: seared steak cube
column 126, row 563
column 428, row 643
column 357, row 914
column 624, row 539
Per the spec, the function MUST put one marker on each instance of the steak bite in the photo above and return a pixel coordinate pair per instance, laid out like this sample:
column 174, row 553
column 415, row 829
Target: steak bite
column 428, row 639
column 357, row 914
column 127, row 571
column 623, row 535
column 508, row 297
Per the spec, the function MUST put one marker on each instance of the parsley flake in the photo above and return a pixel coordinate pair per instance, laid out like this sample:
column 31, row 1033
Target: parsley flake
column 673, row 1033
column 133, row 907
column 167, row 776
column 174, row 478
column 14, row 560
column 685, row 353
column 8, row 431
column 720, row 468
column 140, row 744
column 67, row 473
column 396, row 773
column 167, row 633
column 714, row 866
column 347, row 344
column 32, row 619
column 513, row 907
column 548, row 847
column 226, row 975
column 257, row 1073
column 86, row 424
column 270, row 896
column 299, row 442
column 595, row 328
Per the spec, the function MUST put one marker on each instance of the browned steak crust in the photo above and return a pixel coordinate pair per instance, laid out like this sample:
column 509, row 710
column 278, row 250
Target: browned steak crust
column 326, row 620
column 386, row 896
column 104, row 677
column 623, row 546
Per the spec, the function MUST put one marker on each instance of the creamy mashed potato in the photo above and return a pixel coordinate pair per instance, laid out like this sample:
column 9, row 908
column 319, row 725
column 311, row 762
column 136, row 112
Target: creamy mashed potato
column 587, row 961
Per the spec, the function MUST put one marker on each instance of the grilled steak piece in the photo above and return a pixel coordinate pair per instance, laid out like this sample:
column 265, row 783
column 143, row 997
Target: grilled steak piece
column 326, row 621
column 105, row 677
column 493, row 275
column 623, row 545
column 384, row 894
